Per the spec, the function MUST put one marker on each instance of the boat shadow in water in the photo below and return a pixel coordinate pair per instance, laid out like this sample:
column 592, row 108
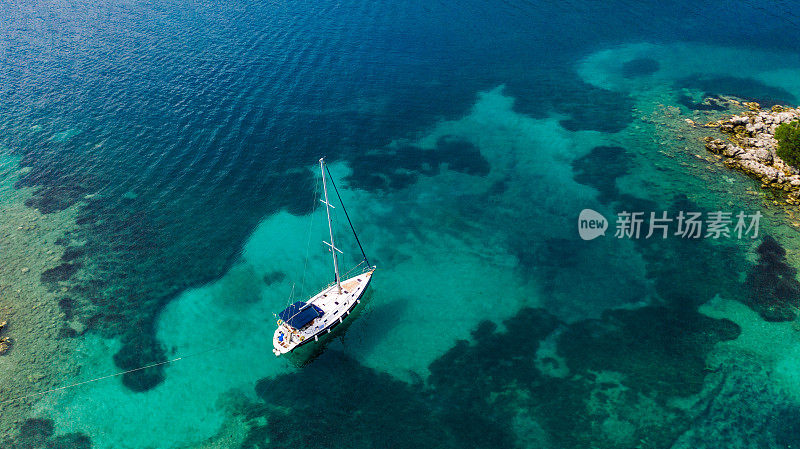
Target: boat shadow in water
column 307, row 353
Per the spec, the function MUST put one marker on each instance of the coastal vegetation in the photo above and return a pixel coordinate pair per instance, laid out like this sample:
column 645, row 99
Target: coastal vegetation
column 788, row 137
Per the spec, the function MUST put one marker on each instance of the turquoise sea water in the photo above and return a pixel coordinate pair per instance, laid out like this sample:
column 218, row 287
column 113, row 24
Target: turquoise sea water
column 465, row 140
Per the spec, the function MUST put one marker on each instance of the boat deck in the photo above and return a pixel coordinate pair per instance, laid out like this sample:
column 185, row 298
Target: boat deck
column 336, row 306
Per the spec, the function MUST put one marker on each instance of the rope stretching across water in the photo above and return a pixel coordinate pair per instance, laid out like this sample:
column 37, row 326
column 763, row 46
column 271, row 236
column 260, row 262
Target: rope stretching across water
column 109, row 376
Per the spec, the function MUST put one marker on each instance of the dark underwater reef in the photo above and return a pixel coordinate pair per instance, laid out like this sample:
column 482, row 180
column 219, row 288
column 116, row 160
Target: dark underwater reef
column 640, row 67
column 772, row 286
column 38, row 433
column 397, row 168
column 748, row 89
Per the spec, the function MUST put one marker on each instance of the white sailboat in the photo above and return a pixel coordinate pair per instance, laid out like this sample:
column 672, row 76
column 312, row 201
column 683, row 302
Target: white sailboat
column 305, row 321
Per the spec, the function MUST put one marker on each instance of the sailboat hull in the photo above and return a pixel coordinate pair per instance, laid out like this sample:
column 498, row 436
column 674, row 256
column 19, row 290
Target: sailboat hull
column 336, row 307
column 306, row 354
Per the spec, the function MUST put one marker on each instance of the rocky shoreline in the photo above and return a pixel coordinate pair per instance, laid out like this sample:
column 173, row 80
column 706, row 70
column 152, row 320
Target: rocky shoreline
column 751, row 145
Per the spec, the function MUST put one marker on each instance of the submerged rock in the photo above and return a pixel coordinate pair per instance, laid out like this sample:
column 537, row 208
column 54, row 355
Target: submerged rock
column 5, row 345
column 5, row 342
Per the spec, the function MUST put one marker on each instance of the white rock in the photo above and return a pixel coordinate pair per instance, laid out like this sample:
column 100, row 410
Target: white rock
column 739, row 120
column 732, row 151
column 763, row 155
column 785, row 117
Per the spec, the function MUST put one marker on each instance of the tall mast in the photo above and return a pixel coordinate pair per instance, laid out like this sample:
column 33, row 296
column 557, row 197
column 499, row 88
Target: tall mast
column 330, row 227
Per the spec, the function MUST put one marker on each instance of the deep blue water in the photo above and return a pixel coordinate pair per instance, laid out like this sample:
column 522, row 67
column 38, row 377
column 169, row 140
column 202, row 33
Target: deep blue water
column 179, row 126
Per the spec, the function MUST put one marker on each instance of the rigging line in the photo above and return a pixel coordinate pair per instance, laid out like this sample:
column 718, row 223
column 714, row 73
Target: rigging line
column 354, row 268
column 109, row 376
column 346, row 214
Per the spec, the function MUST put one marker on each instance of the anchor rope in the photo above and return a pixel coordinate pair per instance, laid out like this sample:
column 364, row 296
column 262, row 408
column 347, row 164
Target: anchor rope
column 109, row 376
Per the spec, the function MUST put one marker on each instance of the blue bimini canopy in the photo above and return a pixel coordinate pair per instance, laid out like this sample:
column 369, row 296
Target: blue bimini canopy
column 299, row 314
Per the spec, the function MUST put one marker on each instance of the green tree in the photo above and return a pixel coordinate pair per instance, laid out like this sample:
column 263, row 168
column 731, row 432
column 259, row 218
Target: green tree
column 788, row 137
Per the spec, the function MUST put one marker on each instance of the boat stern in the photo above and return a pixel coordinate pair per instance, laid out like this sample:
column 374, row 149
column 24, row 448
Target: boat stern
column 282, row 340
